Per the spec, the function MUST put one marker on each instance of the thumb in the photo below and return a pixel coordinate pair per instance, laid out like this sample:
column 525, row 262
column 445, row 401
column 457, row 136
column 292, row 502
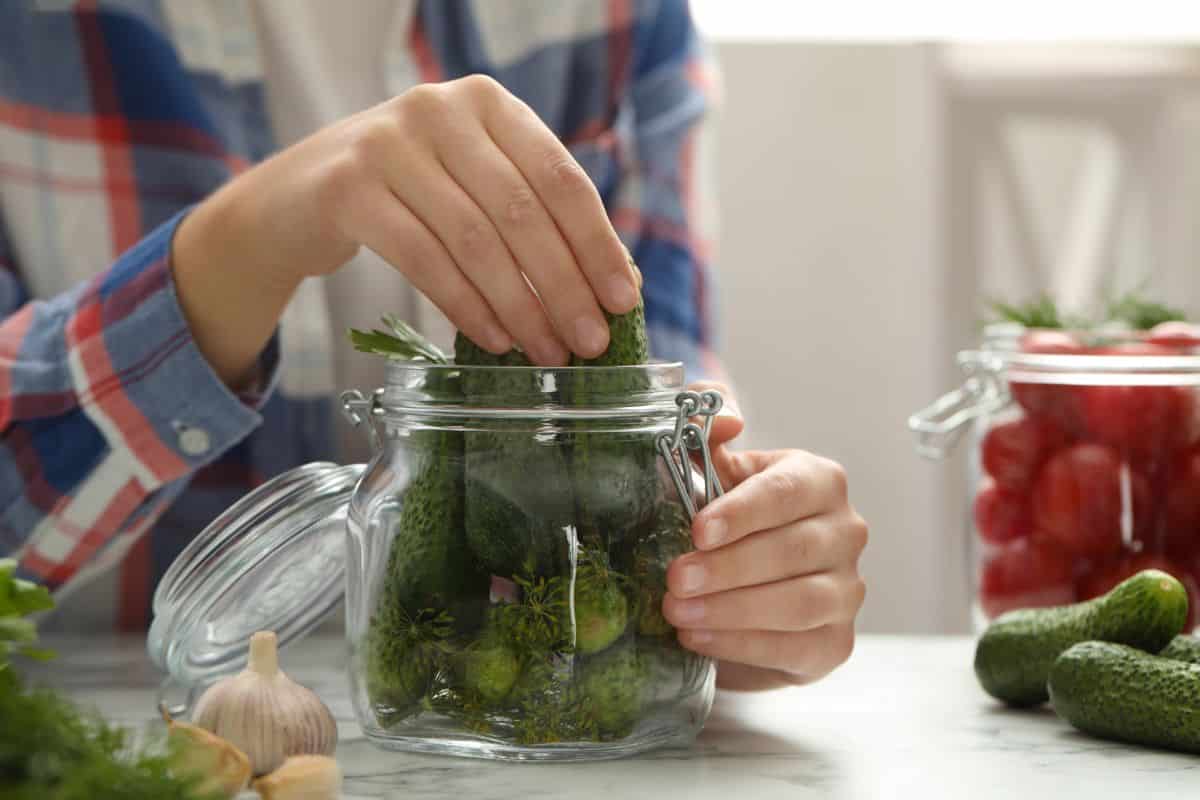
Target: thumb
column 725, row 428
column 728, row 424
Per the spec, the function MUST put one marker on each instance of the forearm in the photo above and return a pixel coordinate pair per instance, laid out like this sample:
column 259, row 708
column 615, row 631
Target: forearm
column 232, row 295
column 111, row 368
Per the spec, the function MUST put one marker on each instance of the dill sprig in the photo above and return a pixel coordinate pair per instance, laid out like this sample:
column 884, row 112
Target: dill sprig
column 400, row 340
column 49, row 747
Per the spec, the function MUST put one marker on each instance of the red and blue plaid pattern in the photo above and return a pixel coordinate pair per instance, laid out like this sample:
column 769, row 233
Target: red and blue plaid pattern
column 112, row 423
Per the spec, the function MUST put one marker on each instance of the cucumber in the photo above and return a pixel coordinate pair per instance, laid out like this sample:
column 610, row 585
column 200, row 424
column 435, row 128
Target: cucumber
column 1014, row 656
column 1183, row 648
column 1125, row 694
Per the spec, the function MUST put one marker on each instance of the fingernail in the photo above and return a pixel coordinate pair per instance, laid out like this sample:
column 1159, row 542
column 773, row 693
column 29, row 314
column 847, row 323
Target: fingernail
column 549, row 353
column 622, row 293
column 591, row 336
column 715, row 531
column 690, row 611
column 496, row 339
column 699, row 636
column 691, row 578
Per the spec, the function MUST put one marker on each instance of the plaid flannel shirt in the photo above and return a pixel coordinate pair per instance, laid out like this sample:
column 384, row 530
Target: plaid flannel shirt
column 119, row 442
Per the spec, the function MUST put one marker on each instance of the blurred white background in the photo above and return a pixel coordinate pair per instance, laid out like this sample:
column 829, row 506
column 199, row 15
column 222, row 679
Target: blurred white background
column 872, row 195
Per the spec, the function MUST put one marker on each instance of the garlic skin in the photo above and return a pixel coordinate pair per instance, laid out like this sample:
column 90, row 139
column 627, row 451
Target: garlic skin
column 224, row 769
column 265, row 713
column 302, row 778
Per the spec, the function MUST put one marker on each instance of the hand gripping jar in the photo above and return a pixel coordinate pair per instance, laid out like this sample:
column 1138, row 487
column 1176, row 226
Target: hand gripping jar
column 1084, row 463
column 502, row 556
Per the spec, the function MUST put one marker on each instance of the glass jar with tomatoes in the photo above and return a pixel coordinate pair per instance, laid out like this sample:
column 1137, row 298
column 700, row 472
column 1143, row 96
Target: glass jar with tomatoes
column 1084, row 463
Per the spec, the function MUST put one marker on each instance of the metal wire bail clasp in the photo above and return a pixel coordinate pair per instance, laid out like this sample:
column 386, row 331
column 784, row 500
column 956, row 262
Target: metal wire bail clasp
column 358, row 409
column 939, row 425
column 674, row 447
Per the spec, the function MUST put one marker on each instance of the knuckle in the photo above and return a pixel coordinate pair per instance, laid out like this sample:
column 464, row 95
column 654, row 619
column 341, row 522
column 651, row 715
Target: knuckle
column 481, row 85
column 421, row 106
column 858, row 593
column 567, row 175
column 474, row 240
column 521, row 206
column 838, row 479
column 424, row 98
column 373, row 139
column 784, row 483
column 859, row 533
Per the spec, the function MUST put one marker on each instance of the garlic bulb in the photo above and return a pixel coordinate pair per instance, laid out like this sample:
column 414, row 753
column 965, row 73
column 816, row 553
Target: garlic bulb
column 225, row 769
column 302, row 778
column 265, row 713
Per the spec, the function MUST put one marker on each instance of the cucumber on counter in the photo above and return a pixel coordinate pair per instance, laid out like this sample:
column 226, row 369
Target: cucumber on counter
column 1014, row 656
column 1183, row 647
column 1122, row 693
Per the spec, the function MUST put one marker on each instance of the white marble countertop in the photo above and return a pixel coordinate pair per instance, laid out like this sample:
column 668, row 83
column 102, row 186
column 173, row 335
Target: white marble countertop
column 904, row 718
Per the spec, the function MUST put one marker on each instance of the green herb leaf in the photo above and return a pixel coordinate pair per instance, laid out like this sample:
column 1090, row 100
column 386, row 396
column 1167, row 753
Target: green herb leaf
column 1039, row 313
column 15, row 629
column 400, row 341
column 1139, row 313
column 20, row 597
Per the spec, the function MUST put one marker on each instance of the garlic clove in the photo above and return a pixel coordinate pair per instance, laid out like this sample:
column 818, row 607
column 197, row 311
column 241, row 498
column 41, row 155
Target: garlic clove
column 265, row 713
column 302, row 778
column 225, row 768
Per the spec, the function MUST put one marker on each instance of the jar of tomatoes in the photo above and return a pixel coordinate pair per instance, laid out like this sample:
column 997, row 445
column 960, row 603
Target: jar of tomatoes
column 1084, row 462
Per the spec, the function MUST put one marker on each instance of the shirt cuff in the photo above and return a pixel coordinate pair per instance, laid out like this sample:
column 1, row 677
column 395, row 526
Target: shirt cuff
column 141, row 377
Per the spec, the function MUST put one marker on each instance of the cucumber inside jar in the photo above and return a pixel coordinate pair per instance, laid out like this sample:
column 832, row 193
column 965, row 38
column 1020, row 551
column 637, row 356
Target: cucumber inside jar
column 521, row 601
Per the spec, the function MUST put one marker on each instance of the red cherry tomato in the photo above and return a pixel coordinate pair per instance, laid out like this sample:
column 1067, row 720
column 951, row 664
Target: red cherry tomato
column 1049, row 341
column 1105, row 577
column 1028, row 573
column 1182, row 335
column 1144, row 422
column 1181, row 513
column 1014, row 451
column 1001, row 514
column 1077, row 500
column 1048, row 401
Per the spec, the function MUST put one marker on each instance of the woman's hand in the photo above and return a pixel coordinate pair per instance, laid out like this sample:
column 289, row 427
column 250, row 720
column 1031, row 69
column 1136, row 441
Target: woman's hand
column 458, row 185
column 773, row 588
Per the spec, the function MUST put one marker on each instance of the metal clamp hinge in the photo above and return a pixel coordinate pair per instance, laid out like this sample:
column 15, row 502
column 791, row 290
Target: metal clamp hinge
column 940, row 425
column 691, row 437
column 358, row 409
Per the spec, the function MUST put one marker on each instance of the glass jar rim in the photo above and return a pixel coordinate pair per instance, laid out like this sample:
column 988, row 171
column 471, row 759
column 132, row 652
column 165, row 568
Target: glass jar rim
column 1087, row 369
column 611, row 392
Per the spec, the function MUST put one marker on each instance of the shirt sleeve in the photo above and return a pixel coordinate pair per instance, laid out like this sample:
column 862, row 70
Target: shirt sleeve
column 107, row 408
column 663, row 205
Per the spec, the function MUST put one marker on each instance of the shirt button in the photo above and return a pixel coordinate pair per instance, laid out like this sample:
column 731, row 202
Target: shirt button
column 194, row 441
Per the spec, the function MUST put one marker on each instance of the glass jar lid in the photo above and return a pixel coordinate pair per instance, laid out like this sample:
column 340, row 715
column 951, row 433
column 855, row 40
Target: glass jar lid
column 274, row 560
column 1097, row 358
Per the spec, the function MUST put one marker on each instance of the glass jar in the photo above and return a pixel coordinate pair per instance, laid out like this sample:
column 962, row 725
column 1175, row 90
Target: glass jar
column 502, row 556
column 1084, row 463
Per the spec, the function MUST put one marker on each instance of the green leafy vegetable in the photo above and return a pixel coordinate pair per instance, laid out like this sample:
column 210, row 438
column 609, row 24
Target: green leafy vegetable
column 52, row 750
